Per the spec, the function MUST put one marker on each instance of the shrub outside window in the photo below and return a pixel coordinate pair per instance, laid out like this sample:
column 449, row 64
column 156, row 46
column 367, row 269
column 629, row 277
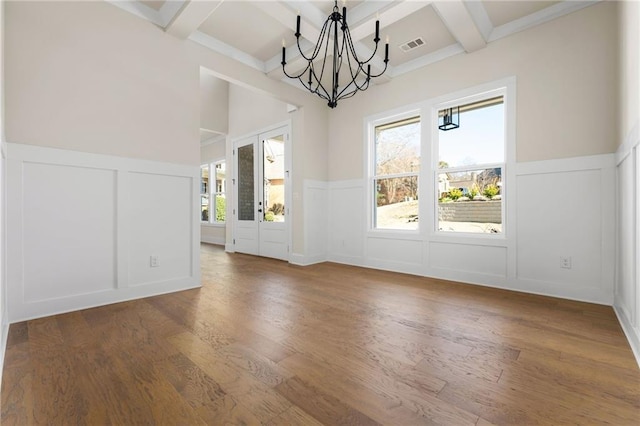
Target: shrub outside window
column 395, row 181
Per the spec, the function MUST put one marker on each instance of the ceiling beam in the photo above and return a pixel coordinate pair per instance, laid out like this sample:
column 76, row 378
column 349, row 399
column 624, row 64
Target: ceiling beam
column 460, row 24
column 190, row 17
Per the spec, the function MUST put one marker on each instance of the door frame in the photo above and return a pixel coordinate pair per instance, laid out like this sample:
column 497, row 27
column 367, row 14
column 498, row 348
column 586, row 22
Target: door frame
column 288, row 194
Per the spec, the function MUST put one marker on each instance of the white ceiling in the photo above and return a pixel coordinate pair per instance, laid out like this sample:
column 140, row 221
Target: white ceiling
column 252, row 31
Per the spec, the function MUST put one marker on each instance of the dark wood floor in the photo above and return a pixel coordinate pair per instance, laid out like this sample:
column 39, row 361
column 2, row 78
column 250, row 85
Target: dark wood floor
column 267, row 342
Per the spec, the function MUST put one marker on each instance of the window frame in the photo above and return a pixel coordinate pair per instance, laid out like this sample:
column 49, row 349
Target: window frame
column 506, row 89
column 372, row 176
column 211, row 167
column 427, row 110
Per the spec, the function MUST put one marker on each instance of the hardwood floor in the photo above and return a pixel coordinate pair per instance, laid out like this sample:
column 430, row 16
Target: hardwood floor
column 265, row 342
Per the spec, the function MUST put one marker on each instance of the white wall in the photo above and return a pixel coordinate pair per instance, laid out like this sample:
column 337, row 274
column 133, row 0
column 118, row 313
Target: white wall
column 102, row 124
column 251, row 111
column 561, row 177
column 82, row 228
column 627, row 286
column 87, row 76
column 4, row 320
column 570, row 222
column 567, row 77
column 210, row 152
column 214, row 103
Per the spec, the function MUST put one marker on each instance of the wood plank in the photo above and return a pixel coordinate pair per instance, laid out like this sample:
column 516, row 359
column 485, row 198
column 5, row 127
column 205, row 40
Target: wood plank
column 386, row 409
column 323, row 407
column 17, row 398
column 294, row 416
column 266, row 342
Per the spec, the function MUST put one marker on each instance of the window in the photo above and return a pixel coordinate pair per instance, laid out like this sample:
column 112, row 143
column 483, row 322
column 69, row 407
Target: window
column 212, row 192
column 395, row 178
column 470, row 168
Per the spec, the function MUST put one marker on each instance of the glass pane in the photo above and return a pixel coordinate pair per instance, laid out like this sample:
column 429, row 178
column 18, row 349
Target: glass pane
column 221, row 208
column 470, row 201
column 398, row 147
column 397, row 203
column 273, row 150
column 478, row 140
column 246, row 203
column 204, row 179
column 221, row 176
column 204, row 208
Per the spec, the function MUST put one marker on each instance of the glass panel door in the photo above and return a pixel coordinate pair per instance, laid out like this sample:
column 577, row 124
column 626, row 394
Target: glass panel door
column 246, row 183
column 274, row 179
column 246, row 232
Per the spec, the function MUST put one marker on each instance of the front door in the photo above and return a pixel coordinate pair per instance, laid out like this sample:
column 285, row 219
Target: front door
column 260, row 222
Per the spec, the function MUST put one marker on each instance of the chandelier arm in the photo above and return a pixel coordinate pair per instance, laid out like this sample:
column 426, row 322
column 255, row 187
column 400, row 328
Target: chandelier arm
column 362, row 63
column 322, row 95
column 354, row 88
column 381, row 72
column 353, row 49
column 304, row 71
column 358, row 70
column 318, row 45
column 319, row 79
column 319, row 84
column 354, row 72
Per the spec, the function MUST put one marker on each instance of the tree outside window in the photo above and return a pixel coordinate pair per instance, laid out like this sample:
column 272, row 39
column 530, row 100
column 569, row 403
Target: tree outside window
column 397, row 166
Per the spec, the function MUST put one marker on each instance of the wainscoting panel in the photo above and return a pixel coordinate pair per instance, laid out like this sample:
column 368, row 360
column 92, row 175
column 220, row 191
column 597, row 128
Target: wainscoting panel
column 556, row 209
column 394, row 254
column 489, row 261
column 627, row 288
column 315, row 209
column 4, row 317
column 559, row 217
column 82, row 229
column 213, row 234
column 347, row 222
column 151, row 211
column 61, row 207
column 566, row 228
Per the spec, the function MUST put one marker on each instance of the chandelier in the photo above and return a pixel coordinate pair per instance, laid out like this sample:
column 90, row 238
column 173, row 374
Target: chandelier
column 344, row 82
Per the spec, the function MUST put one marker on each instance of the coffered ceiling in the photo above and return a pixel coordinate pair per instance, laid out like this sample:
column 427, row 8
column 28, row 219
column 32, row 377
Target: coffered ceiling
column 252, row 31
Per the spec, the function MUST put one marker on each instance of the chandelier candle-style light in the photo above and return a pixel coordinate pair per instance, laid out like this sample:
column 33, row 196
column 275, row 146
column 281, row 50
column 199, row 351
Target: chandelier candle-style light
column 343, row 49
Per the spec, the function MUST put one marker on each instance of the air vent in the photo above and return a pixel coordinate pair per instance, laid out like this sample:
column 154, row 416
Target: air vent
column 412, row 44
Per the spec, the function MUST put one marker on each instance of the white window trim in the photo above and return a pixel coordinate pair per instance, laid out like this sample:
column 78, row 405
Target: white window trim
column 211, row 166
column 506, row 88
column 370, row 124
column 427, row 184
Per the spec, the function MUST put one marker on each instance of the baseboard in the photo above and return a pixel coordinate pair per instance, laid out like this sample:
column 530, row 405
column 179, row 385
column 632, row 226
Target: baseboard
column 230, row 248
column 302, row 260
column 630, row 332
column 346, row 260
column 3, row 348
column 29, row 311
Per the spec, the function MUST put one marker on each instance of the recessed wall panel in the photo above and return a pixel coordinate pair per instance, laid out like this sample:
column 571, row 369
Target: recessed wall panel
column 69, row 230
column 161, row 217
column 478, row 259
column 394, row 250
column 560, row 217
